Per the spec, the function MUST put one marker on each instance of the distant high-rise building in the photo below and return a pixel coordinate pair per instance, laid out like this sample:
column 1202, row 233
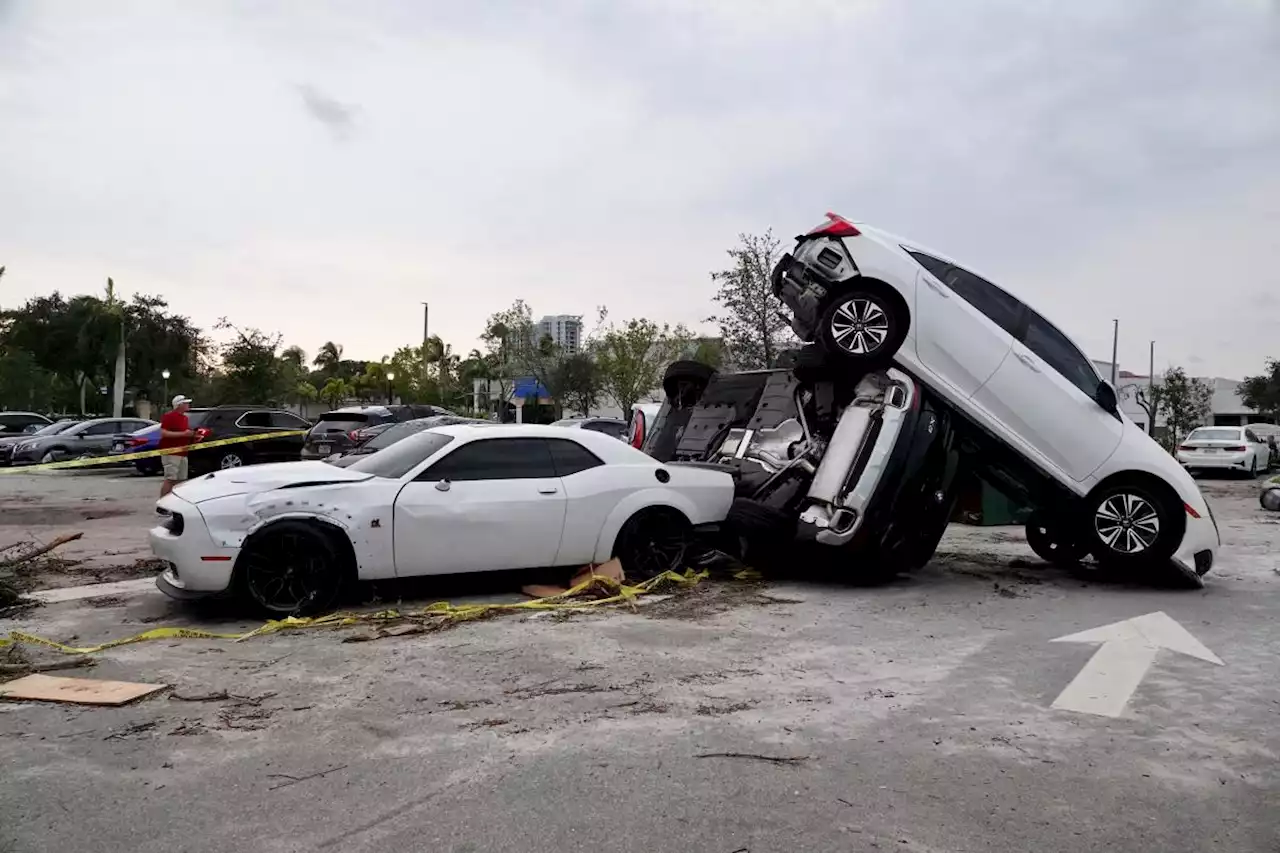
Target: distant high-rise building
column 564, row 329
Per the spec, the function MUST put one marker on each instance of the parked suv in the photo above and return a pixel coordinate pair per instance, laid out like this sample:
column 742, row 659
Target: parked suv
column 234, row 421
column 342, row 429
column 21, row 423
column 1035, row 415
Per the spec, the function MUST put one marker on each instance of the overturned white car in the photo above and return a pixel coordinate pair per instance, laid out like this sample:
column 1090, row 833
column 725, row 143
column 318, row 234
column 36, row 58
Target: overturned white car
column 463, row 498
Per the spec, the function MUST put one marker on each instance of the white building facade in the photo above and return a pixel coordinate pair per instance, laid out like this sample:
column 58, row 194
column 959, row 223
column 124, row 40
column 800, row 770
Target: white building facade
column 564, row 329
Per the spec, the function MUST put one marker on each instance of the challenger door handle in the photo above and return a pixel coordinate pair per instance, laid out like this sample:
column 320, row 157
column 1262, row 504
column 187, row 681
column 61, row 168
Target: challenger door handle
column 548, row 491
column 937, row 288
column 1028, row 361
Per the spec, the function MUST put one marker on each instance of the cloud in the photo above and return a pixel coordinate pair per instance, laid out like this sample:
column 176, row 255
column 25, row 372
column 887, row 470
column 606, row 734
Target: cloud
column 1100, row 159
column 337, row 117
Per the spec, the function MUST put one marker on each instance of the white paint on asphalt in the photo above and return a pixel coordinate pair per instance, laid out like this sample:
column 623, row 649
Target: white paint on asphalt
column 1106, row 683
column 135, row 586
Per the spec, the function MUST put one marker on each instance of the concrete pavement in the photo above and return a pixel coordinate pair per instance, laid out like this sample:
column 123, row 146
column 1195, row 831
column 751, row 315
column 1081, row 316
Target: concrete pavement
column 788, row 717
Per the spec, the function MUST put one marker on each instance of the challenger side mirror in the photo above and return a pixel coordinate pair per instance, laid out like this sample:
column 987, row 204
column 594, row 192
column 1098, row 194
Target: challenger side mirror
column 1105, row 397
column 442, row 486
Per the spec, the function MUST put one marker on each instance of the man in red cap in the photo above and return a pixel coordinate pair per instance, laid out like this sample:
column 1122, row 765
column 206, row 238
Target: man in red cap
column 175, row 431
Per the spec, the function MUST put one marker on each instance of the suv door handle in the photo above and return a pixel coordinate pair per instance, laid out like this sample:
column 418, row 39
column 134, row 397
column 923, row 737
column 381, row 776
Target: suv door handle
column 548, row 490
column 1028, row 361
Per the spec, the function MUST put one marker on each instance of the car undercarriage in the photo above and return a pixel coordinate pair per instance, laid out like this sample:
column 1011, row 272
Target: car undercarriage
column 859, row 468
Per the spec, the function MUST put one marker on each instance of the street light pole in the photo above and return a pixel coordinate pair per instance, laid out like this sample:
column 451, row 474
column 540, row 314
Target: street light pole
column 1151, row 389
column 391, row 377
column 165, row 374
column 1115, row 343
column 425, row 331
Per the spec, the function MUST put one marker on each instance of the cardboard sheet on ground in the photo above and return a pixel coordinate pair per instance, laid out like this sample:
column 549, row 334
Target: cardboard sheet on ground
column 79, row 691
column 612, row 570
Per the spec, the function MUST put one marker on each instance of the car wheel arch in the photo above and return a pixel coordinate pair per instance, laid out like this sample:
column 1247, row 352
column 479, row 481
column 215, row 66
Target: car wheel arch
column 332, row 529
column 1152, row 483
column 633, row 505
column 878, row 287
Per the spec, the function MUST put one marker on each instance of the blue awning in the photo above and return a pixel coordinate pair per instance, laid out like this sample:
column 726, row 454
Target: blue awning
column 529, row 388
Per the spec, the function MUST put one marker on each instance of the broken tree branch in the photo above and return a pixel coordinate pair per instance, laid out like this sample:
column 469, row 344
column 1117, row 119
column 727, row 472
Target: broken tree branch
column 775, row 759
column 41, row 551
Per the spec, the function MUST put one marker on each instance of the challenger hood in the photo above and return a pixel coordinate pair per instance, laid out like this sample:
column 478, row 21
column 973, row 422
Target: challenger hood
column 255, row 479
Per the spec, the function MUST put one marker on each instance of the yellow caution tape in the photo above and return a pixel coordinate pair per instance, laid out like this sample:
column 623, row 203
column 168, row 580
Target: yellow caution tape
column 440, row 613
column 147, row 454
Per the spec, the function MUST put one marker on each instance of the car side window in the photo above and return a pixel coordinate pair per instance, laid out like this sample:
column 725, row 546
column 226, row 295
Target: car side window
column 1001, row 308
column 284, row 420
column 495, row 459
column 1043, row 339
column 570, row 457
column 104, row 428
column 258, row 420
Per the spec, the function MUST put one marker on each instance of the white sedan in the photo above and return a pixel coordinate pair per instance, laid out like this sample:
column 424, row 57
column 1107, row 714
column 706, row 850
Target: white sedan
column 1224, row 448
column 461, row 498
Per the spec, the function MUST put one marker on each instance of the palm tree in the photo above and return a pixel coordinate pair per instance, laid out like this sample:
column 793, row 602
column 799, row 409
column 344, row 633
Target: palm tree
column 328, row 357
column 296, row 355
column 334, row 392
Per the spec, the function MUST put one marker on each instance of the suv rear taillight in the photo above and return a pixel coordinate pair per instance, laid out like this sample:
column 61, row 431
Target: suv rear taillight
column 354, row 435
column 637, row 430
column 837, row 226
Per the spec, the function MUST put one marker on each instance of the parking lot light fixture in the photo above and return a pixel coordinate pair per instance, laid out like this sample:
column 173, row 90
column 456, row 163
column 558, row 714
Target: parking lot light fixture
column 391, row 377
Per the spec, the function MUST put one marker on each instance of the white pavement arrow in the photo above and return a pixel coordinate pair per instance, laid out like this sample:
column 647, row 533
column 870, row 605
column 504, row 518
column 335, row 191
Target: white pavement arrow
column 1128, row 649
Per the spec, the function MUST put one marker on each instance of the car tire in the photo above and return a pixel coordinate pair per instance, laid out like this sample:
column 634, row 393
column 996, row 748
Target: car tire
column 811, row 364
column 653, row 541
column 761, row 534
column 49, row 456
column 1155, row 526
column 291, row 568
column 1051, row 541
column 1270, row 499
column 684, row 381
column 863, row 326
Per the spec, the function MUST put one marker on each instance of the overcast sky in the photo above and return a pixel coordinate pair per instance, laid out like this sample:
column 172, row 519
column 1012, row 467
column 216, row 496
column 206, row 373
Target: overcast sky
column 321, row 168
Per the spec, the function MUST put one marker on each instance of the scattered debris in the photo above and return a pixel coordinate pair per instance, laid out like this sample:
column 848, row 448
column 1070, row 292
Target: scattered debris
column 293, row 780
column 491, row 723
column 219, row 696
column 131, row 731
column 611, row 570
column 720, row 710
column 42, row 550
column 80, row 691
column 105, row 601
column 774, row 759
column 459, row 705
column 24, row 667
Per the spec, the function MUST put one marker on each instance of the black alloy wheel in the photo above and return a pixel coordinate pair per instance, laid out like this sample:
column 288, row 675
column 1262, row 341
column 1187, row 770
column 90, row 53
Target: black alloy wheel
column 653, row 541
column 291, row 568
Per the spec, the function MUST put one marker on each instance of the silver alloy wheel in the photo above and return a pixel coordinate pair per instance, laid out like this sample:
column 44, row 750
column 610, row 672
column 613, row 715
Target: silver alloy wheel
column 859, row 326
column 230, row 460
column 1127, row 524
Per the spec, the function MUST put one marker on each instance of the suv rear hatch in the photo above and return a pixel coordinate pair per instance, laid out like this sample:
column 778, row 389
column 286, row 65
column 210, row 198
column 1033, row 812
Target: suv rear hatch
column 337, row 432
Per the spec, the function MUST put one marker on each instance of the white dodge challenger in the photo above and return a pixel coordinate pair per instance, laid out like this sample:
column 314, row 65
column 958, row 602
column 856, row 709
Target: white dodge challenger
column 462, row 498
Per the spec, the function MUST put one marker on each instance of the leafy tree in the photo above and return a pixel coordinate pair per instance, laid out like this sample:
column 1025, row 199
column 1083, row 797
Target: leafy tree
column 1185, row 402
column 631, row 359
column 709, row 351
column 754, row 334
column 506, row 335
column 578, row 382
column 305, row 392
column 1262, row 392
column 328, row 357
column 334, row 392
column 250, row 368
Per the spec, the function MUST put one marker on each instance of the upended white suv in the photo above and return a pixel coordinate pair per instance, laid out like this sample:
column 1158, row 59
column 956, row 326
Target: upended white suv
column 1044, row 426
